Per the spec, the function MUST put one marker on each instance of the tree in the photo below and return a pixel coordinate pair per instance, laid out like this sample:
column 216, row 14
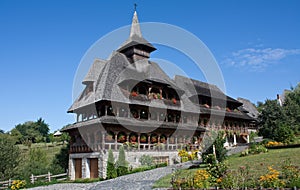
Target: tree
column 9, row 155
column 64, row 137
column 33, row 131
column 283, row 134
column 42, row 127
column 60, row 161
column 218, row 142
column 111, row 169
column 272, row 115
column 292, row 108
column 122, row 168
column 36, row 163
column 1, row 131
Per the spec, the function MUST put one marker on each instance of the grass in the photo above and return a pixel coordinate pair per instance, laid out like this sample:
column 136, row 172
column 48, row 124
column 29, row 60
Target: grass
column 258, row 163
column 50, row 149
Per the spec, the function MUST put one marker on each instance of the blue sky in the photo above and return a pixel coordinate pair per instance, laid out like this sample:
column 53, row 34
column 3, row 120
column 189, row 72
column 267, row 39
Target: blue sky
column 256, row 44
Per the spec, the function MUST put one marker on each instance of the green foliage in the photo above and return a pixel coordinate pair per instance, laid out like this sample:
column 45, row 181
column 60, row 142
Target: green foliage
column 9, row 156
column 146, row 160
column 111, row 171
column 217, row 170
column 60, row 161
column 36, row 163
column 209, row 159
column 121, row 165
column 219, row 146
column 283, row 133
column 280, row 123
column 291, row 173
column 31, row 131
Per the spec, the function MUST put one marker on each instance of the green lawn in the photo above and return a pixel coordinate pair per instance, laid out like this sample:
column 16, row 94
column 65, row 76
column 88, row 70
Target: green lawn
column 258, row 163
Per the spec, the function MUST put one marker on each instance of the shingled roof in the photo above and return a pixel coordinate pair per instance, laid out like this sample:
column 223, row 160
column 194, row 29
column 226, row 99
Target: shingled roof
column 135, row 37
column 107, row 77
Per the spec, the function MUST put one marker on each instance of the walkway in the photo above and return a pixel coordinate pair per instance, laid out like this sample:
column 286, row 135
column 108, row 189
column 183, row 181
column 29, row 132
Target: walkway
column 136, row 181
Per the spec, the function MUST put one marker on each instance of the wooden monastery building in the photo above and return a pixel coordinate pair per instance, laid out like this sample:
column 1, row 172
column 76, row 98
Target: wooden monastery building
column 130, row 101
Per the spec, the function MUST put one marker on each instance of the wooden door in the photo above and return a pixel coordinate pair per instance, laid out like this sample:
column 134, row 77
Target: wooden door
column 94, row 168
column 78, row 168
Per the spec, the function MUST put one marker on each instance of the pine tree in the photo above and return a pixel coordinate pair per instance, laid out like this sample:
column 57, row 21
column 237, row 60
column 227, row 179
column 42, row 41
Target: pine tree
column 111, row 169
column 122, row 168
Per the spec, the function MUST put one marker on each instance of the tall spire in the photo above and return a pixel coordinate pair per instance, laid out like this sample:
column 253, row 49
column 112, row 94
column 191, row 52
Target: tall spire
column 135, row 26
column 136, row 47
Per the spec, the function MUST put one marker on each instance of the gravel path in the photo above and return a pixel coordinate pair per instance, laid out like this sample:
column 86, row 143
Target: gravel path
column 136, row 181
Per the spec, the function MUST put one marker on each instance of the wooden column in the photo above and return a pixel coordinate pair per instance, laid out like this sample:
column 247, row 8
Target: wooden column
column 116, row 141
column 149, row 138
column 176, row 142
column 168, row 140
column 103, row 140
column 139, row 138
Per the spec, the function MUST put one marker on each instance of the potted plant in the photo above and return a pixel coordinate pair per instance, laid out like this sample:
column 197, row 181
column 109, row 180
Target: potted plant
column 174, row 100
column 121, row 138
column 134, row 93
column 143, row 139
column 109, row 137
column 162, row 139
column 133, row 138
column 158, row 96
column 154, row 139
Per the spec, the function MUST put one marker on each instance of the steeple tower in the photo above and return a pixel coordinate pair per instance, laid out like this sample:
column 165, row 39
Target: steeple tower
column 136, row 47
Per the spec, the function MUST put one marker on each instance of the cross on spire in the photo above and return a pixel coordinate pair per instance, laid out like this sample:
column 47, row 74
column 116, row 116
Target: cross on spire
column 135, row 5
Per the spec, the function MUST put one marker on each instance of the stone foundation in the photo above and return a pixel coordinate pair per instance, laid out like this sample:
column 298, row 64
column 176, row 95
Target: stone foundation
column 131, row 156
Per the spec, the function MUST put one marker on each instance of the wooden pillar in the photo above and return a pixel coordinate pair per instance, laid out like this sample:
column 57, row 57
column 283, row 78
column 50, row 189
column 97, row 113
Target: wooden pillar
column 105, row 110
column 176, row 142
column 139, row 138
column 116, row 141
column 158, row 138
column 103, row 140
column 168, row 141
column 149, row 138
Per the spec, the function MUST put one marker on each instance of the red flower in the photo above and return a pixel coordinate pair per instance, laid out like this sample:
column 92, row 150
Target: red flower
column 134, row 93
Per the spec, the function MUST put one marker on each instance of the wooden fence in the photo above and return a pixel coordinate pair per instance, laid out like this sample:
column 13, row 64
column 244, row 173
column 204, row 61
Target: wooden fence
column 34, row 178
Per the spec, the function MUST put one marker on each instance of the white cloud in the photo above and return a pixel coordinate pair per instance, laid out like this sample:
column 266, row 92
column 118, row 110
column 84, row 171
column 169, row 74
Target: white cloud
column 258, row 59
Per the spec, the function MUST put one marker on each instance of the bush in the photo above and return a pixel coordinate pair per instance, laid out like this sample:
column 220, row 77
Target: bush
column 111, row 171
column 210, row 159
column 146, row 160
column 121, row 165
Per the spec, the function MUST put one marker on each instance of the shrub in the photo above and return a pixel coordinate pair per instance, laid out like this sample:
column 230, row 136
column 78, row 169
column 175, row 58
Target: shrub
column 201, row 179
column 121, row 165
column 18, row 184
column 291, row 174
column 110, row 168
column 217, row 170
column 146, row 160
column 271, row 179
column 210, row 159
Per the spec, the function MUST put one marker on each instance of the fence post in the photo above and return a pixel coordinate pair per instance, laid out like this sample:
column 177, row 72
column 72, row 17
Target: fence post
column 9, row 182
column 49, row 176
column 32, row 178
